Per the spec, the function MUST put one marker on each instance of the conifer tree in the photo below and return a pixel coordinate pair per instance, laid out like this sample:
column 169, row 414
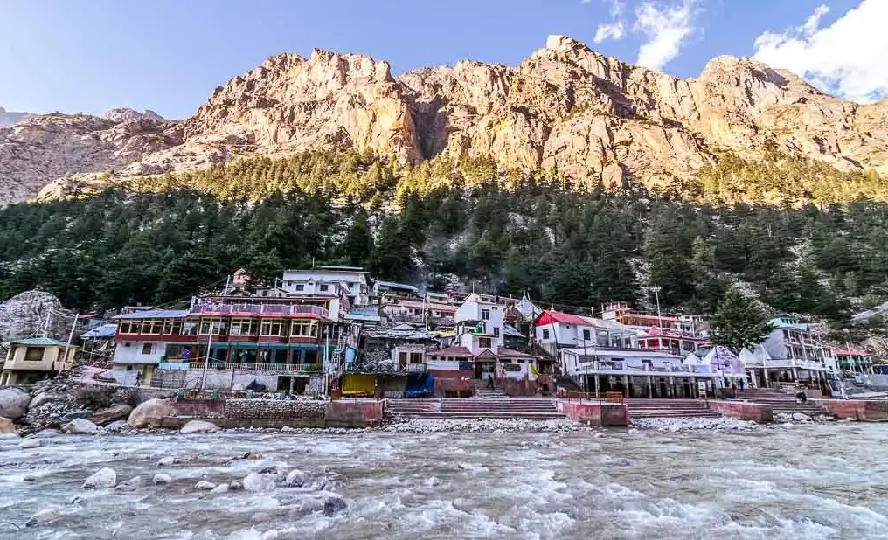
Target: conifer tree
column 739, row 322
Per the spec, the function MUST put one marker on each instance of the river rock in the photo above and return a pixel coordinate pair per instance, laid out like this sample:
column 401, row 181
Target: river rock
column 151, row 412
column 80, row 426
column 203, row 484
column 116, row 426
column 30, row 443
column 221, row 488
column 132, row 484
column 6, row 426
column 296, row 479
column 161, row 478
column 44, row 398
column 288, row 429
column 801, row 417
column 167, row 461
column 103, row 478
column 198, row 426
column 235, row 486
column 13, row 403
column 43, row 517
column 115, row 412
column 334, row 504
column 258, row 482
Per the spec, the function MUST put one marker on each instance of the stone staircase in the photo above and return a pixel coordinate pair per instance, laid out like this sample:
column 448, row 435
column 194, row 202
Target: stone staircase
column 501, row 408
column 780, row 402
column 668, row 408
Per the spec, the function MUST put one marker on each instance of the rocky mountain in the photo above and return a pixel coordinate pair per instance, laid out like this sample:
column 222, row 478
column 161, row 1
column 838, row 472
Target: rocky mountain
column 8, row 119
column 565, row 107
column 124, row 114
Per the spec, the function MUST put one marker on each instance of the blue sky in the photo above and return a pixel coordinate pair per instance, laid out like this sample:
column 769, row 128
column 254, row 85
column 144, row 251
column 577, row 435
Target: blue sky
column 168, row 55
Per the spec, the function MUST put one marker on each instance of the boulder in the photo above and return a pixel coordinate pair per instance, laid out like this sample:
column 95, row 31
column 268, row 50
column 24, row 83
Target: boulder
column 116, row 426
column 43, row 517
column 6, row 426
column 151, row 413
column 115, row 412
column 13, row 403
column 296, row 479
column 80, row 426
column 334, row 504
column 103, row 478
column 235, row 486
column 198, row 426
column 258, row 482
column 161, row 478
column 30, row 443
column 45, row 397
column 221, row 488
column 132, row 484
column 203, row 484
column 288, row 429
column 801, row 417
column 167, row 461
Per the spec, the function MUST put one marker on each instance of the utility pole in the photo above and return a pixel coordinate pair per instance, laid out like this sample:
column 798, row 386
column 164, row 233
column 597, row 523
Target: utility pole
column 70, row 338
column 203, row 379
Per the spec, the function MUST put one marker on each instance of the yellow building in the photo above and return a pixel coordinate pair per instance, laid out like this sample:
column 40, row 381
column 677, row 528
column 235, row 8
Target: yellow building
column 30, row 360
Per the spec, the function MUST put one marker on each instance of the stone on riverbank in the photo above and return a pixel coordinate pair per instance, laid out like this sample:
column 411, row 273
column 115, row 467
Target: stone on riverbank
column 258, row 482
column 676, row 425
column 30, row 443
column 13, row 403
column 161, row 478
column 7, row 427
column 80, row 426
column 151, row 412
column 43, row 517
column 296, row 479
column 198, row 426
column 132, row 484
column 103, row 478
column 203, row 484
column 115, row 412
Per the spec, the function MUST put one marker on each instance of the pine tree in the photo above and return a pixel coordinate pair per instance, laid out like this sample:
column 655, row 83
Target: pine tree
column 739, row 322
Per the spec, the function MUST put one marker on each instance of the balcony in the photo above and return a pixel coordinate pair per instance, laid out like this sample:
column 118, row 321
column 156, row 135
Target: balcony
column 258, row 310
column 263, row 368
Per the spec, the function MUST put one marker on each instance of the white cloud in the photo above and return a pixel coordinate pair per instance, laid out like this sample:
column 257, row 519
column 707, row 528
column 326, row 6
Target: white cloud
column 667, row 27
column 849, row 57
column 614, row 29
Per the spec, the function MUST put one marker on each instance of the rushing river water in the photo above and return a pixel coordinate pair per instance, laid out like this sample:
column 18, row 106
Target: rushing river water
column 802, row 482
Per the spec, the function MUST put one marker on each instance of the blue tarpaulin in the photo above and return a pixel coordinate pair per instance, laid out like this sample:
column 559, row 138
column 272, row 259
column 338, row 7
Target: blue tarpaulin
column 420, row 385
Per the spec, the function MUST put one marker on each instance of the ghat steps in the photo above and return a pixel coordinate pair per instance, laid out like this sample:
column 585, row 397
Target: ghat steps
column 527, row 408
column 780, row 402
column 668, row 408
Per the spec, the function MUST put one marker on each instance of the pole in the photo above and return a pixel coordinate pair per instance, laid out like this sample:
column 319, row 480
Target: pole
column 657, row 296
column 203, row 379
column 70, row 338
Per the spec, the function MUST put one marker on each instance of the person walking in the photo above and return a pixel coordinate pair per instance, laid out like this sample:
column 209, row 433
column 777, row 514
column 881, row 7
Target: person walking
column 490, row 381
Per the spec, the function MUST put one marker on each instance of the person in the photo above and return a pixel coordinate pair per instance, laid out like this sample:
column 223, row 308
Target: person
column 139, row 379
column 490, row 381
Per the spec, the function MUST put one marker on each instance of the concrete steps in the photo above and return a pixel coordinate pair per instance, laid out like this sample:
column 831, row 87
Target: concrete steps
column 668, row 408
column 529, row 408
column 780, row 402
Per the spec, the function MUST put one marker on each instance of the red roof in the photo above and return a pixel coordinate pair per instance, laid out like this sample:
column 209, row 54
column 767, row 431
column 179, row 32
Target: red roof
column 549, row 317
column 502, row 352
column 851, row 352
column 656, row 331
column 452, row 351
column 485, row 354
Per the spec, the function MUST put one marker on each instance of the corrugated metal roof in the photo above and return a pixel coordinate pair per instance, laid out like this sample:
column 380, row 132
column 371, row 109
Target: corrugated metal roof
column 40, row 342
column 155, row 314
column 104, row 331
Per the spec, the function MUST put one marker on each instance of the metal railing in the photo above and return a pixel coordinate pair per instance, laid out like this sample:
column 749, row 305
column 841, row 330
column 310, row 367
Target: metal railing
column 259, row 309
column 272, row 368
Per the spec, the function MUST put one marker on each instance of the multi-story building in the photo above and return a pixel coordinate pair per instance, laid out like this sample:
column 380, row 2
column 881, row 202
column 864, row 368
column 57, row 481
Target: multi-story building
column 855, row 360
column 327, row 280
column 419, row 312
column 479, row 350
column 33, row 359
column 555, row 330
column 621, row 313
column 676, row 342
column 791, row 352
column 276, row 340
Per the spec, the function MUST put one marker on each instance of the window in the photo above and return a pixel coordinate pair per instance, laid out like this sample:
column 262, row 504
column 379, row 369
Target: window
column 34, row 354
column 271, row 327
column 485, row 314
column 545, row 334
column 587, row 334
column 324, row 287
column 244, row 327
column 128, row 327
column 212, row 327
column 484, row 342
column 416, row 358
column 152, row 326
column 496, row 331
column 304, row 329
column 189, row 328
column 146, row 348
column 172, row 327
column 300, row 287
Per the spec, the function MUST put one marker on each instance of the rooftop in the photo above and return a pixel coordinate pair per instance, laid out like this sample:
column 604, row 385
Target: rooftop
column 155, row 314
column 40, row 342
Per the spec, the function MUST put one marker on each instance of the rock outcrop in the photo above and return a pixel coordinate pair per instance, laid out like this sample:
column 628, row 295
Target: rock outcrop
column 13, row 403
column 151, row 413
column 9, row 119
column 566, row 107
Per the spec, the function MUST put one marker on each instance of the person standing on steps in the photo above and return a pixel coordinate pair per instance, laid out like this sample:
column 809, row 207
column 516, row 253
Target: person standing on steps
column 490, row 381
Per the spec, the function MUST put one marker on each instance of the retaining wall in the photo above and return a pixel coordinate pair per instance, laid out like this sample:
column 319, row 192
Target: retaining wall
column 278, row 413
column 454, row 387
column 864, row 410
column 743, row 410
column 595, row 413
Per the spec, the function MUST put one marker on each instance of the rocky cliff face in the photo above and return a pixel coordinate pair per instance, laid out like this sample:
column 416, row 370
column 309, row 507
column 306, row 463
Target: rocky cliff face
column 9, row 119
column 566, row 107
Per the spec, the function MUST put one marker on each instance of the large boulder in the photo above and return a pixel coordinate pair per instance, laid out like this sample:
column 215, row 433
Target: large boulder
column 43, row 517
column 80, row 426
column 151, row 413
column 6, row 426
column 103, row 478
column 13, row 403
column 198, row 426
column 258, row 482
column 112, row 413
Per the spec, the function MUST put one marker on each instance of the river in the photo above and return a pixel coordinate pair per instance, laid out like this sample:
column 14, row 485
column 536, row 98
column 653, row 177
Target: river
column 798, row 482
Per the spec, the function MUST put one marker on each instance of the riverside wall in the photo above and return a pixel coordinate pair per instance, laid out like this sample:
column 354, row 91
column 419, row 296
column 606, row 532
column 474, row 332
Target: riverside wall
column 593, row 413
column 864, row 410
column 229, row 413
column 742, row 410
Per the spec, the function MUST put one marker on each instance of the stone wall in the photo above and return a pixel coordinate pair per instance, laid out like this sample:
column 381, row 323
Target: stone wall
column 229, row 413
column 245, row 409
column 595, row 413
column 856, row 409
column 454, row 387
column 520, row 388
column 742, row 410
